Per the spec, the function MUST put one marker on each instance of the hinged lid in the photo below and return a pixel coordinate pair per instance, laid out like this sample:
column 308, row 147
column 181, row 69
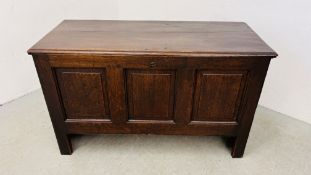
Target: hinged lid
column 154, row 38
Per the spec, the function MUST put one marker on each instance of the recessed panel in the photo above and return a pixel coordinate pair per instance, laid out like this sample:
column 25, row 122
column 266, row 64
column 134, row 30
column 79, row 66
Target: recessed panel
column 217, row 95
column 150, row 94
column 83, row 93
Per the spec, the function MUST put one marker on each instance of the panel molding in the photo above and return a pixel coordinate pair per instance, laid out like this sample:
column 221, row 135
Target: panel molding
column 96, row 94
column 218, row 95
column 151, row 94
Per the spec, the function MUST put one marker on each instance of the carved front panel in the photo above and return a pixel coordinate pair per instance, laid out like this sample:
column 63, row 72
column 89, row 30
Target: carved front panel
column 83, row 93
column 217, row 95
column 150, row 94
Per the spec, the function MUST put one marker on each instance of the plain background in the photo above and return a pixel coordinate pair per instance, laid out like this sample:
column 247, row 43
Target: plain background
column 284, row 24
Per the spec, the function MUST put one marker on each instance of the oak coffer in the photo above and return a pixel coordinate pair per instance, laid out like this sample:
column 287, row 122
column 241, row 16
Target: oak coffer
column 152, row 77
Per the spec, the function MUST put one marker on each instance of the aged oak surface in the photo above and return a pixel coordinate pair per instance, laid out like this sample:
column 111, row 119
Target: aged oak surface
column 153, row 37
column 152, row 77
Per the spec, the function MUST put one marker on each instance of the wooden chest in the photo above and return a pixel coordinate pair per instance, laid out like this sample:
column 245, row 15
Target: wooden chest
column 143, row 77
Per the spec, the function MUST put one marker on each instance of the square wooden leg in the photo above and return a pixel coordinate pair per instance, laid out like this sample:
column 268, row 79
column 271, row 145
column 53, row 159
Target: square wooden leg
column 49, row 89
column 64, row 144
column 238, row 147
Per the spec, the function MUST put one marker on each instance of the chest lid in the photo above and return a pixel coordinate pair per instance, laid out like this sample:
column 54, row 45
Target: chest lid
column 176, row 38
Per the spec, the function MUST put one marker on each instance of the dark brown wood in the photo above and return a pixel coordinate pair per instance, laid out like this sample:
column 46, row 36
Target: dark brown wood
column 254, row 86
column 142, row 77
column 163, row 38
column 184, row 96
column 150, row 94
column 218, row 95
column 49, row 88
column 116, row 92
column 151, row 127
column 83, row 92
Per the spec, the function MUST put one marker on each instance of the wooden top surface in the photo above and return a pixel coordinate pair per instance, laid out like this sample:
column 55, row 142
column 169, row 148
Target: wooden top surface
column 153, row 38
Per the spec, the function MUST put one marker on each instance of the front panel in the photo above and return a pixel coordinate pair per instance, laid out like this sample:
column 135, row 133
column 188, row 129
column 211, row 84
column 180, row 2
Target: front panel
column 83, row 93
column 150, row 94
column 218, row 95
column 192, row 91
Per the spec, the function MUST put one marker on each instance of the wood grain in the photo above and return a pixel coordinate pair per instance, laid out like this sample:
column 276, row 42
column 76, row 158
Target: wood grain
column 218, row 95
column 151, row 127
column 83, row 92
column 153, row 37
column 151, row 94
column 53, row 101
column 143, row 77
column 116, row 94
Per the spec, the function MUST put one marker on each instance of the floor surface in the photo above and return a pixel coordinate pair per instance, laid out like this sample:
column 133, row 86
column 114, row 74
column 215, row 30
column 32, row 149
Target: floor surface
column 277, row 145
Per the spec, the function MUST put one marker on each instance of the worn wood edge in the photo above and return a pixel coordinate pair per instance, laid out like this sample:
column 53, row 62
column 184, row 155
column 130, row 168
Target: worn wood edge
column 144, row 53
column 159, row 128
